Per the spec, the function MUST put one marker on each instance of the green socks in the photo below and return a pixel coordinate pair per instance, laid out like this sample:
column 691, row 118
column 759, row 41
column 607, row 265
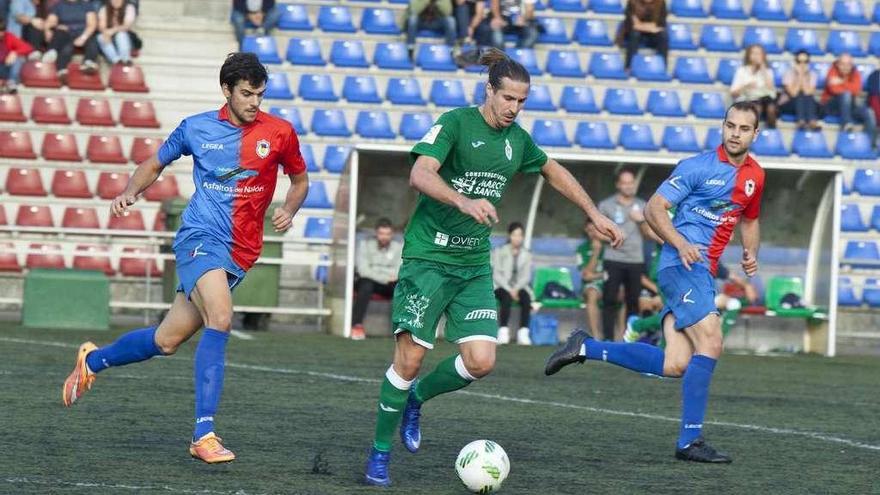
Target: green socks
column 449, row 376
column 392, row 400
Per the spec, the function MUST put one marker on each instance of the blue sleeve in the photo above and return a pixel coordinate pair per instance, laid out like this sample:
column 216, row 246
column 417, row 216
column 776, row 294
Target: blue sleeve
column 175, row 146
column 681, row 182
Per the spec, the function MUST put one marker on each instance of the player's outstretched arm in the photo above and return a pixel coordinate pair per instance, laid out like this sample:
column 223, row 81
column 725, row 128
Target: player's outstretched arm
column 144, row 175
column 425, row 179
column 561, row 179
column 751, row 240
column 282, row 217
column 657, row 216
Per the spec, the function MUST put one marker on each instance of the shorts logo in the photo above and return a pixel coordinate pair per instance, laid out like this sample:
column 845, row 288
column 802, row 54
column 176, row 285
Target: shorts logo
column 441, row 239
column 749, row 188
column 481, row 314
column 263, row 148
column 195, row 252
column 686, row 297
column 416, row 304
column 508, row 150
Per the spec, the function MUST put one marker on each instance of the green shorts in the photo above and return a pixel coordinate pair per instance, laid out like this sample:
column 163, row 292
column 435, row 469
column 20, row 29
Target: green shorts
column 596, row 285
column 465, row 294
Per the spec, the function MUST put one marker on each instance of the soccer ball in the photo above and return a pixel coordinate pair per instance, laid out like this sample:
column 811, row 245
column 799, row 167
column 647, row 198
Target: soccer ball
column 482, row 466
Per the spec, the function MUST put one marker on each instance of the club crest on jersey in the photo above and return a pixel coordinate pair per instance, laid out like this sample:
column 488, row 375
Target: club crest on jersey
column 508, row 150
column 750, row 187
column 263, row 148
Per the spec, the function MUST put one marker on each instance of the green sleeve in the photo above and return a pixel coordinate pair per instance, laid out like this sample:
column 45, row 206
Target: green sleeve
column 583, row 253
column 534, row 157
column 439, row 140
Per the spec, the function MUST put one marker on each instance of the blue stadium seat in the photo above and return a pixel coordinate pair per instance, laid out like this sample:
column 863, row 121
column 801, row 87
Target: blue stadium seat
column 718, row 38
column 797, row 39
column 871, row 293
column 335, row 19
column 448, row 93
column 393, row 56
column 317, row 87
column 374, row 125
column 606, row 6
column 539, row 99
column 568, row 5
column 346, row 53
column 875, row 218
column 317, row 196
column 305, row 149
column 564, row 63
column 361, row 89
column 379, row 21
column 680, row 37
column 662, row 103
column 318, row 228
column 845, row 42
column 591, row 32
column 550, row 133
column 808, row 11
column 854, row 146
column 707, row 105
column 435, row 57
column 726, row 69
column 527, row 58
column 849, row 12
column 681, row 139
column 821, row 71
column 621, row 101
column 552, row 30
column 728, row 9
column 761, row 35
column 415, row 125
column 867, row 182
column 593, row 135
column 769, row 143
column 330, row 123
column 861, row 251
column 846, row 294
column 637, row 137
column 769, row 10
column 578, row 99
column 480, row 93
column 876, row 16
column 688, row 8
column 851, row 219
column 874, row 42
column 335, row 156
column 692, row 70
column 650, row 68
column 277, row 87
column 263, row 46
column 608, row 65
column 810, row 144
column 865, row 70
column 404, row 91
column 713, row 138
column 779, row 69
column 294, row 17
column 292, row 115
column 305, row 52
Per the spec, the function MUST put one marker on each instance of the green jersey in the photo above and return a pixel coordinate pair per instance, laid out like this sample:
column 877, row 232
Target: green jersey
column 585, row 253
column 478, row 161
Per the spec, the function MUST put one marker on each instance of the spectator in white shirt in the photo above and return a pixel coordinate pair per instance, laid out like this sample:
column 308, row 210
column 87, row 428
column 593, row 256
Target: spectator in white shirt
column 512, row 273
column 753, row 82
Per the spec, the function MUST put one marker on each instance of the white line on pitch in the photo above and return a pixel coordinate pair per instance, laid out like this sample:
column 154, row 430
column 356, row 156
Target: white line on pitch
column 136, row 488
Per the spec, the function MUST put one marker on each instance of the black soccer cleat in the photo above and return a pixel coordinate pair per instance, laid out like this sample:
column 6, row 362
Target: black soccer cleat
column 700, row 451
column 569, row 353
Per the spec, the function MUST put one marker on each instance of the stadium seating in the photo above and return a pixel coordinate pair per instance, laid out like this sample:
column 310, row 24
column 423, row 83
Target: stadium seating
column 131, row 220
column 16, row 145
column 761, row 35
column 92, row 111
column 607, row 65
column 392, row 56
column 40, row 75
column 308, row 154
column 589, row 32
column 539, row 99
column 779, row 69
column 60, row 147
column 48, row 257
column 379, row 21
column 861, row 252
column 335, row 19
column 34, row 216
column 24, row 182
column 637, row 137
column 707, row 105
column 769, row 10
column 335, row 157
column 480, row 93
column 808, row 11
column 854, row 146
column 845, row 42
column 304, row 51
column 680, row 37
column 346, row 53
column 568, row 5
column 317, row 196
column 8, row 261
column 578, row 99
column 404, row 91
column 11, row 109
column 851, row 219
column 291, row 115
column 849, row 12
column 680, row 139
column 527, row 58
column 810, row 144
column 80, row 218
column 553, row 31
column 687, row 8
column 316, row 87
column 867, row 182
column 846, row 293
column 593, row 135
column 105, row 149
column 728, row 9
column 138, row 114
column 874, row 42
column 164, row 188
column 128, row 78
column 606, row 6
column 49, row 110
column 435, row 58
column 875, row 218
column 726, row 69
column 564, row 63
column 89, row 257
column 374, row 125
column 263, row 46
column 692, row 70
column 621, row 102
column 294, row 17
column 769, row 143
column 111, row 184
column 132, row 266
column 550, row 133
column 143, row 148
column 871, row 293
column 70, row 184
column 413, row 126
column 797, row 39
column 649, row 68
column 360, row 89
column 278, row 87
column 448, row 93
column 318, row 228
column 329, row 123
column 876, row 17
column 79, row 80
column 821, row 71
column 664, row 103
column 718, row 38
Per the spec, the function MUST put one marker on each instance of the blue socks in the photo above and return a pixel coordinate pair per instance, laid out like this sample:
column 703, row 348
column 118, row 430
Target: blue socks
column 694, row 396
column 639, row 357
column 208, row 373
column 134, row 346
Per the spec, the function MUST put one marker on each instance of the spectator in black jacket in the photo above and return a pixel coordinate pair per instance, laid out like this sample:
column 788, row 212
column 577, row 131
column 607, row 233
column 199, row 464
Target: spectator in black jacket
column 262, row 14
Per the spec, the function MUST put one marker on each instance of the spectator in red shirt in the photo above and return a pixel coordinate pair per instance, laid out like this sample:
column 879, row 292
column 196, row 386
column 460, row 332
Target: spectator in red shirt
column 843, row 86
column 13, row 53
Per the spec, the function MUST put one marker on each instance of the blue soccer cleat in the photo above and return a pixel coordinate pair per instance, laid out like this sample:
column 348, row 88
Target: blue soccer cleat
column 410, row 433
column 377, row 468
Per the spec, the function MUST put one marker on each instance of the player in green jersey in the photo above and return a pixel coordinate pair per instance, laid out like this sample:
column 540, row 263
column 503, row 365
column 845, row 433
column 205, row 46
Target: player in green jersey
column 592, row 275
column 461, row 167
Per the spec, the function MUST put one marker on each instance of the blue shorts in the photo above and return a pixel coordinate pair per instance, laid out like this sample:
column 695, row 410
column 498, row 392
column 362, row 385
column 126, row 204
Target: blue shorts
column 688, row 295
column 197, row 254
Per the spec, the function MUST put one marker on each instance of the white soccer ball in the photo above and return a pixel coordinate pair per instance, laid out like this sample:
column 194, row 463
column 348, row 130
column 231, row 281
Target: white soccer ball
column 482, row 466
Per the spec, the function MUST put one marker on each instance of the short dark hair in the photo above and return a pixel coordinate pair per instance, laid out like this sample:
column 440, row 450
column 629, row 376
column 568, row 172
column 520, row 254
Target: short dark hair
column 624, row 170
column 513, row 226
column 384, row 223
column 501, row 66
column 745, row 106
column 243, row 66
column 801, row 52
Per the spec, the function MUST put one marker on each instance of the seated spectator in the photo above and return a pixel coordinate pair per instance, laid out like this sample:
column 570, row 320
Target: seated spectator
column 644, row 22
column 510, row 17
column 377, row 264
column 432, row 15
column 468, row 15
column 800, row 86
column 262, row 14
column 512, row 273
column 72, row 24
column 873, row 91
column 592, row 275
column 13, row 53
column 843, row 86
column 753, row 82
column 27, row 20
column 115, row 19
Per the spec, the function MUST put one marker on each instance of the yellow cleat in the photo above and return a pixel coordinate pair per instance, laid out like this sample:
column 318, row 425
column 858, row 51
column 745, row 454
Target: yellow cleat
column 209, row 449
column 80, row 379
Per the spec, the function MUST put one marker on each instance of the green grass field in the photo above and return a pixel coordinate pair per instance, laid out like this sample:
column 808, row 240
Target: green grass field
column 294, row 403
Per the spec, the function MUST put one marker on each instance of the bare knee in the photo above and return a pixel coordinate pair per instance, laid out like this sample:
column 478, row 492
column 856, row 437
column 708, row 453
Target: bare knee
column 168, row 344
column 674, row 367
column 408, row 357
column 219, row 320
column 479, row 366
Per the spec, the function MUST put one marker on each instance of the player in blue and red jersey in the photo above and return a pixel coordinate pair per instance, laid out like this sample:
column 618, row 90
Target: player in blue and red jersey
column 236, row 152
column 711, row 192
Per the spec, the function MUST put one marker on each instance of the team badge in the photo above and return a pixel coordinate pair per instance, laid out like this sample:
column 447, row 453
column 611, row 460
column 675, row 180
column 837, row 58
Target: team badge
column 508, row 151
column 263, row 148
column 750, row 187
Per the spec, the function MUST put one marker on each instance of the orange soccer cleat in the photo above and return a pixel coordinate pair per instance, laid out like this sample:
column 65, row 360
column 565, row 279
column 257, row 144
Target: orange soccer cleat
column 80, row 379
column 209, row 449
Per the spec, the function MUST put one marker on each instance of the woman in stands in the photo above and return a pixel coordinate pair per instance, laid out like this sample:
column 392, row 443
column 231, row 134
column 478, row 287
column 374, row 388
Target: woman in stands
column 644, row 22
column 115, row 19
column 799, row 95
column 512, row 272
column 753, row 82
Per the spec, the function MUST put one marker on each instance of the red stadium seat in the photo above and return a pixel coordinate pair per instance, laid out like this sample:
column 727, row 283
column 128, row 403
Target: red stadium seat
column 165, row 187
column 3, row 215
column 49, row 110
column 70, row 184
column 91, row 111
column 133, row 221
column 80, row 218
column 16, row 145
column 138, row 114
column 60, row 147
column 8, row 261
column 105, row 149
column 24, row 182
column 128, row 79
column 143, row 148
column 111, row 184
column 52, row 259
column 34, row 216
column 40, row 75
column 10, row 109
column 93, row 258
column 138, row 267
column 159, row 221
column 76, row 79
